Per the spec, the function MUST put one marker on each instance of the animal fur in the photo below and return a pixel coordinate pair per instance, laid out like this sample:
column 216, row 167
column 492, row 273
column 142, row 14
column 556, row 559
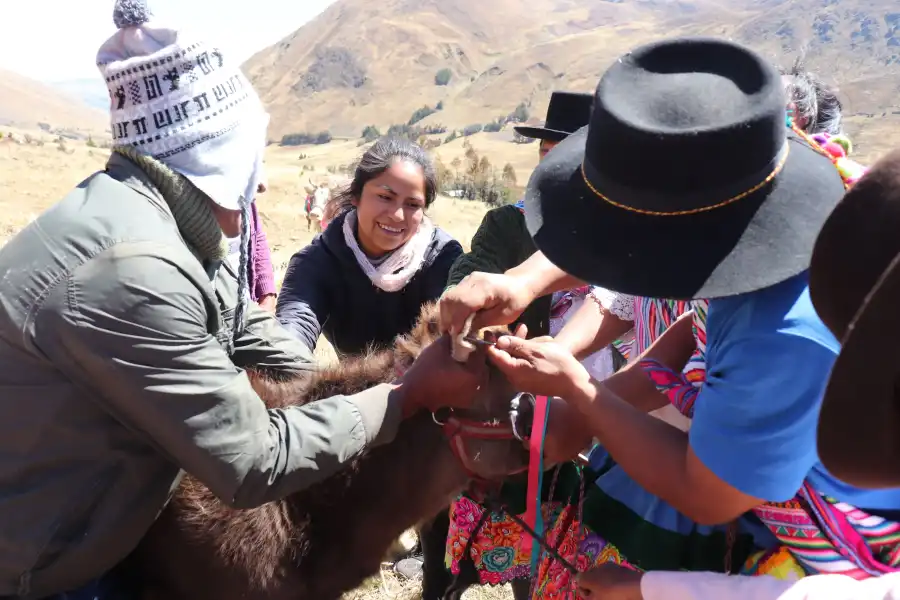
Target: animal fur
column 320, row 542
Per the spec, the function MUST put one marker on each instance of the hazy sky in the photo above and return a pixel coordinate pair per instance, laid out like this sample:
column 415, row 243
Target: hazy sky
column 54, row 40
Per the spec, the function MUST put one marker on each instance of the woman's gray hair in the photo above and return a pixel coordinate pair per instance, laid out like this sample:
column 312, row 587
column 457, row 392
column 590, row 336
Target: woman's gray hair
column 814, row 101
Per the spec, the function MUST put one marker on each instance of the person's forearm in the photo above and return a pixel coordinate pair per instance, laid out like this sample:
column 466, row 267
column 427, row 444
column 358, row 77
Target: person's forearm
column 305, row 444
column 543, row 277
column 590, row 329
column 673, row 349
column 651, row 451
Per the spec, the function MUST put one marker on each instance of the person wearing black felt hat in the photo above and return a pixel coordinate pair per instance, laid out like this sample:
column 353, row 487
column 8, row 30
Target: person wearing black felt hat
column 502, row 241
column 687, row 184
column 566, row 113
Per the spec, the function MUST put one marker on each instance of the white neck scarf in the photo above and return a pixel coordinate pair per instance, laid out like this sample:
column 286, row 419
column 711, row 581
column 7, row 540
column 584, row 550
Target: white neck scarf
column 398, row 269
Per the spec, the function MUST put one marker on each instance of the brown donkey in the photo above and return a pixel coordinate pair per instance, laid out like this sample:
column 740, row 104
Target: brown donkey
column 326, row 540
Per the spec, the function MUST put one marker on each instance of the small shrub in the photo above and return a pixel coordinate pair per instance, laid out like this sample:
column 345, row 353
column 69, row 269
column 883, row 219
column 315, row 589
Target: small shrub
column 472, row 129
column 420, row 114
column 493, row 126
column 520, row 114
column 370, row 133
column 439, row 105
column 443, row 77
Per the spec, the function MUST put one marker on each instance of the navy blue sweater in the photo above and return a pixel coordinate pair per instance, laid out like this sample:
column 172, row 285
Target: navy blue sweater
column 325, row 291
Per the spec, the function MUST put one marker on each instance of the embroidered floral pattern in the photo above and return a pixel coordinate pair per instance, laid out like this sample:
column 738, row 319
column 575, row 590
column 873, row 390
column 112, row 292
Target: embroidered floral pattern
column 501, row 551
column 553, row 580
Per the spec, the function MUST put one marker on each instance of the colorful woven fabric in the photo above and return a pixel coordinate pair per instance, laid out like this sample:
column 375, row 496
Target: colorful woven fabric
column 643, row 535
column 778, row 562
column 827, row 536
column 501, row 551
column 581, row 547
column 652, row 316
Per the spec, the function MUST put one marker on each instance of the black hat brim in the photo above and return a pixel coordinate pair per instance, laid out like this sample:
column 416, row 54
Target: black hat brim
column 859, row 423
column 542, row 133
column 747, row 245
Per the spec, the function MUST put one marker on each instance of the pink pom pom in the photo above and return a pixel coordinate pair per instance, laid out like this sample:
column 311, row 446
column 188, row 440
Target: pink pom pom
column 835, row 150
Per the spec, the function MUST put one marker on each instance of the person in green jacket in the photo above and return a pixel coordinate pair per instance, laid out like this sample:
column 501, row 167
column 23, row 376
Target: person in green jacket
column 125, row 334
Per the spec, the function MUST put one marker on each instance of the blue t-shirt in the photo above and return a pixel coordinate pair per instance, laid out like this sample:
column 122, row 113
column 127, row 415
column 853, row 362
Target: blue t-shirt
column 768, row 359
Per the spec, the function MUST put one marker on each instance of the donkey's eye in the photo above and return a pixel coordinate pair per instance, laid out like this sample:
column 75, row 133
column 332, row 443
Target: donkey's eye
column 433, row 328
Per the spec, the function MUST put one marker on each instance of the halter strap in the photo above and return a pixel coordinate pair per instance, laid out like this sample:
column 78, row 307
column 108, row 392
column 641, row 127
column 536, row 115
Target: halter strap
column 533, row 516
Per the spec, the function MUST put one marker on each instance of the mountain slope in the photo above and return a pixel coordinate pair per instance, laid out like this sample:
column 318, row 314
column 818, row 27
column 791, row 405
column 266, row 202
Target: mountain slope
column 91, row 91
column 28, row 103
column 362, row 63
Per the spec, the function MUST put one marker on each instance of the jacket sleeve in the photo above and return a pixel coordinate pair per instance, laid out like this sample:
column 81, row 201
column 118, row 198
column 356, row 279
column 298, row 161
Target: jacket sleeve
column 137, row 341
column 439, row 271
column 303, row 304
column 262, row 260
column 491, row 249
column 265, row 343
column 675, row 585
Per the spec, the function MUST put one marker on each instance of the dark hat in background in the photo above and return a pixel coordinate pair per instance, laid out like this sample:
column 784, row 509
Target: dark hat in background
column 686, row 183
column 568, row 112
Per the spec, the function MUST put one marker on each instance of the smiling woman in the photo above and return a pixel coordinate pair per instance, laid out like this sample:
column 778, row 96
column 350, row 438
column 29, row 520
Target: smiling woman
column 364, row 280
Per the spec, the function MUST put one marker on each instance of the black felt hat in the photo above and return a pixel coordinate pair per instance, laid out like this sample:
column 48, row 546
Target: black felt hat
column 568, row 112
column 686, row 183
column 854, row 283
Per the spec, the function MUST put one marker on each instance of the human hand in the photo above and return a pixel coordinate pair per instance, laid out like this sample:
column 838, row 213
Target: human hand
column 436, row 381
column 610, row 582
column 539, row 366
column 494, row 299
column 268, row 303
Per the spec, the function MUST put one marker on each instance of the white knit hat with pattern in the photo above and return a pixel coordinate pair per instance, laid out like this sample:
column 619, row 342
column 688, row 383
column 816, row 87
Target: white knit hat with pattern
column 183, row 102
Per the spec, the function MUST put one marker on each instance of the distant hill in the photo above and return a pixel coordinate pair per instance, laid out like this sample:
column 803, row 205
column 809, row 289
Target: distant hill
column 90, row 91
column 362, row 63
column 30, row 104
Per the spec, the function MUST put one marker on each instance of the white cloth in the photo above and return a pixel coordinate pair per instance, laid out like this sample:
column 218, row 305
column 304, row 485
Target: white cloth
column 185, row 103
column 392, row 274
column 621, row 305
column 600, row 363
column 671, row 585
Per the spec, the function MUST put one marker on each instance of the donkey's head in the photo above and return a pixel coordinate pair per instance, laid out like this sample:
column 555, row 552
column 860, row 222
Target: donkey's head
column 481, row 437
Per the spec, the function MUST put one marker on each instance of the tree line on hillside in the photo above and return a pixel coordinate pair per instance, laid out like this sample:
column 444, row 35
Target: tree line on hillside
column 411, row 130
column 473, row 177
column 304, row 139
